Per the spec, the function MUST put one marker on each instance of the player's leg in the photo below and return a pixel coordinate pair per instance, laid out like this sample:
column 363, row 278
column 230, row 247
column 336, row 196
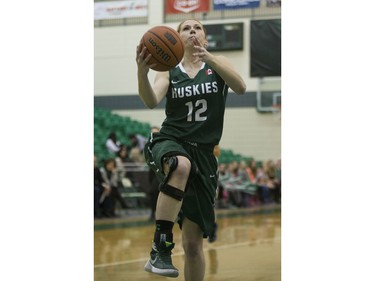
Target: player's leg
column 167, row 207
column 177, row 170
column 192, row 241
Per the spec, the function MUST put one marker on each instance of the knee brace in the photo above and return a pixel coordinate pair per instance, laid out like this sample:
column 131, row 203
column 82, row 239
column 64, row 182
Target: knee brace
column 178, row 194
column 172, row 191
column 172, row 162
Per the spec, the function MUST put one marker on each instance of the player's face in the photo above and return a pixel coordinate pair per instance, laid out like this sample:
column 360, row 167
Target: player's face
column 192, row 30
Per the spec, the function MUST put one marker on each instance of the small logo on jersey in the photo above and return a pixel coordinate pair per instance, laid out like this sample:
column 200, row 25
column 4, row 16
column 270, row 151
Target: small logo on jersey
column 208, row 72
column 192, row 143
column 175, row 82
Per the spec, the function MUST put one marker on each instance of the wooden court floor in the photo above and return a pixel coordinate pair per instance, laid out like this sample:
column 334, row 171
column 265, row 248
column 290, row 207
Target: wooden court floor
column 248, row 248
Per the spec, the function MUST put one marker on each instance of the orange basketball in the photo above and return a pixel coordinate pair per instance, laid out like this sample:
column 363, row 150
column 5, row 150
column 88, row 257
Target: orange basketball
column 165, row 46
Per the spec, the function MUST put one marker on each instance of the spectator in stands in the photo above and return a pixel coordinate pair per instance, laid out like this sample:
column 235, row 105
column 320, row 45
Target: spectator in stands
column 251, row 170
column 217, row 151
column 113, row 144
column 245, row 179
column 109, row 174
column 136, row 156
column 137, row 141
column 136, row 150
column 122, row 158
column 101, row 192
column 278, row 181
column 270, row 169
column 235, row 197
column 264, row 185
column 222, row 196
column 242, row 172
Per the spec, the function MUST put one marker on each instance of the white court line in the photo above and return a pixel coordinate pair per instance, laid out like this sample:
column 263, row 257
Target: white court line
column 182, row 253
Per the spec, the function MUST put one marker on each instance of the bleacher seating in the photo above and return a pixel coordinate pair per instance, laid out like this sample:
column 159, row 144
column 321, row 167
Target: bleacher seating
column 105, row 122
column 227, row 156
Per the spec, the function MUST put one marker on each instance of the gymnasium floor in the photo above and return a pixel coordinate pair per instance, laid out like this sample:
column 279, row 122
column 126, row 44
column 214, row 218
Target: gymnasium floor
column 248, row 247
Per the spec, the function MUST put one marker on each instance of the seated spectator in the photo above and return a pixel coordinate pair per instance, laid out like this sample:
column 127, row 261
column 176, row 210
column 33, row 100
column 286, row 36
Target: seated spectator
column 270, row 169
column 277, row 181
column 264, row 184
column 235, row 196
column 122, row 159
column 136, row 156
column 217, row 151
column 237, row 184
column 112, row 144
column 222, row 193
column 109, row 174
column 138, row 141
column 246, row 196
column 251, row 170
column 101, row 193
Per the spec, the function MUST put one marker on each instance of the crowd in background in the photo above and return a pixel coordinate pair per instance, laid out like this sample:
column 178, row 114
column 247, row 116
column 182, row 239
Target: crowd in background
column 241, row 184
column 248, row 184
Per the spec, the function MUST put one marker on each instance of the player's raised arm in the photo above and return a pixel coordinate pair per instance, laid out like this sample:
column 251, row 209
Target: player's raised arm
column 222, row 66
column 150, row 95
column 226, row 70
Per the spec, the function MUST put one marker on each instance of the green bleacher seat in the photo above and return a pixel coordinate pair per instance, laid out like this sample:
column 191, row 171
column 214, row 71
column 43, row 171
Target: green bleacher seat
column 106, row 122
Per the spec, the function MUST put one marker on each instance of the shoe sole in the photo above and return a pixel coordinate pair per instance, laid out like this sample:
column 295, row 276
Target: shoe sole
column 163, row 272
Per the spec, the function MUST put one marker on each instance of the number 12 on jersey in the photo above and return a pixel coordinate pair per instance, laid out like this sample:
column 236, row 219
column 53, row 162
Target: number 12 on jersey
column 199, row 109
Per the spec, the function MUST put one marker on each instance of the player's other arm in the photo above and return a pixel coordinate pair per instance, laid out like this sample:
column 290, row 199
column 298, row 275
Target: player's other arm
column 150, row 95
column 226, row 70
column 222, row 66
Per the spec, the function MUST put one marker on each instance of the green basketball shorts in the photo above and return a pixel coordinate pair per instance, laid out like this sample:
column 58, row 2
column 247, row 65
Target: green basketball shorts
column 199, row 199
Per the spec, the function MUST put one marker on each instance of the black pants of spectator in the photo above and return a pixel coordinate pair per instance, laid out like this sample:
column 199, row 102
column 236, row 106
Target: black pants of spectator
column 221, row 200
column 235, row 197
column 115, row 195
column 264, row 194
column 276, row 193
column 97, row 193
column 102, row 208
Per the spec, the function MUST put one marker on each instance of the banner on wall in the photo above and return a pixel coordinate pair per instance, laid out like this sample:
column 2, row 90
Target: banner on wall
column 265, row 48
column 235, row 4
column 186, row 6
column 120, row 9
column 273, row 3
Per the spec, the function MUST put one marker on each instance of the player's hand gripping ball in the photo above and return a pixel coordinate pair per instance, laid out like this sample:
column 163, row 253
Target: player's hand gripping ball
column 165, row 46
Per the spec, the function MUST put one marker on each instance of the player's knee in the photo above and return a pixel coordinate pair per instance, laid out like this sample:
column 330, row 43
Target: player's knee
column 192, row 249
column 183, row 167
column 179, row 167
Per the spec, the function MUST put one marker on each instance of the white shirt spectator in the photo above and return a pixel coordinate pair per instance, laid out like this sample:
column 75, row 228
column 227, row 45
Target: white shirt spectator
column 112, row 146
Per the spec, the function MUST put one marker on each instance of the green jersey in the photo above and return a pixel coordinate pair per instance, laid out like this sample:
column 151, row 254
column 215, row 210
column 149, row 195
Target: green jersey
column 195, row 106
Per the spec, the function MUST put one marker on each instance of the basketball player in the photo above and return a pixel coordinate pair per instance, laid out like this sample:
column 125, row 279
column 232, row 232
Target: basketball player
column 181, row 154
